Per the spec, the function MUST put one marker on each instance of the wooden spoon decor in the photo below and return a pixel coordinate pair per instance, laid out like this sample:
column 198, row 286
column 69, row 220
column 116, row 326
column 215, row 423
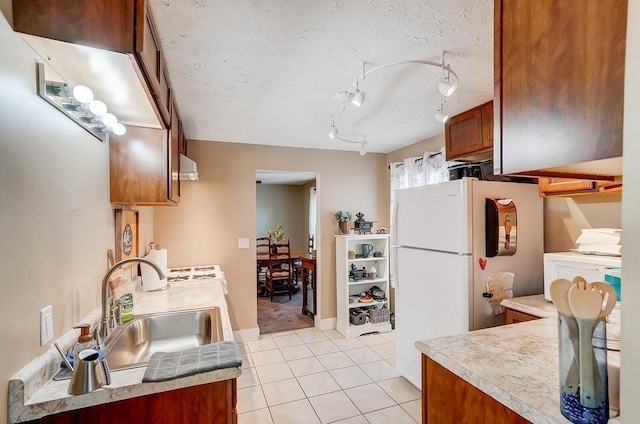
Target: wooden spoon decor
column 586, row 304
column 560, row 296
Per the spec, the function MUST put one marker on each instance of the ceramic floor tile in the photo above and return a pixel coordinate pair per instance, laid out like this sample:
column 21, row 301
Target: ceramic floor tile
column 291, row 340
column 282, row 333
column 400, row 390
column 322, row 348
column 273, row 372
column 373, row 339
column 296, row 352
column 385, row 350
column 359, row 419
column 347, row 344
column 392, row 362
column 391, row 336
column 247, row 361
column 298, row 412
column 305, row 366
column 250, row 399
column 267, row 357
column 333, row 407
column 333, row 334
column 312, row 336
column 266, row 343
column 361, row 355
column 332, row 361
column 367, row 398
column 318, row 384
column 242, row 348
column 350, row 377
column 395, row 415
column 380, row 370
column 248, row 378
column 282, row 392
column 414, row 408
column 260, row 416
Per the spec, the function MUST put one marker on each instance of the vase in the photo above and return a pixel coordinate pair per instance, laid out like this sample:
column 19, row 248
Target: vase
column 343, row 227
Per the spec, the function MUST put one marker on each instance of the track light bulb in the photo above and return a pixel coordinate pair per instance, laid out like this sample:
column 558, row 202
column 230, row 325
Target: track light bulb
column 333, row 132
column 358, row 98
column 82, row 94
column 119, row 129
column 446, row 88
column 97, row 107
column 441, row 117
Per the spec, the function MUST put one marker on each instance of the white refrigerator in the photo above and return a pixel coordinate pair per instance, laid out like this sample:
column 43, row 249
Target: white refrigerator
column 439, row 251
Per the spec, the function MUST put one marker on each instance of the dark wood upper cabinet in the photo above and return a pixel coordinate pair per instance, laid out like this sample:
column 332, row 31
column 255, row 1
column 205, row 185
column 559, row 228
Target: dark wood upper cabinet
column 122, row 26
column 174, row 157
column 469, row 135
column 559, row 87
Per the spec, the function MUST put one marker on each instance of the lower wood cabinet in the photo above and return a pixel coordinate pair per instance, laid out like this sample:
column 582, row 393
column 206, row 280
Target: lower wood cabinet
column 207, row 403
column 512, row 316
column 448, row 399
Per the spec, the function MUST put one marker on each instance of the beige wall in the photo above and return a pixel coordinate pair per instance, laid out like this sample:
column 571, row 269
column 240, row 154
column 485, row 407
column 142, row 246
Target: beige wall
column 215, row 211
column 279, row 204
column 57, row 222
column 432, row 144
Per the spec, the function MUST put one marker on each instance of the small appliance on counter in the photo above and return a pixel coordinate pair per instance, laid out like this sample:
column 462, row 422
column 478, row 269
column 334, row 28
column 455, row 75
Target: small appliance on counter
column 569, row 265
column 482, row 171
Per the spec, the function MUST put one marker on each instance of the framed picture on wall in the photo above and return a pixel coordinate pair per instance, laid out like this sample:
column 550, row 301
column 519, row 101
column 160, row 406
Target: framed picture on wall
column 126, row 234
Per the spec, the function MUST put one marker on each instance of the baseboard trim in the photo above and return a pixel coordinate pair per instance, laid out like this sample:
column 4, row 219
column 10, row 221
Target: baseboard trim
column 248, row 335
column 325, row 324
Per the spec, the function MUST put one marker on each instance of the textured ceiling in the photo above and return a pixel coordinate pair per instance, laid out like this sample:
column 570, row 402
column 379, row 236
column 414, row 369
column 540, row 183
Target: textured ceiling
column 267, row 72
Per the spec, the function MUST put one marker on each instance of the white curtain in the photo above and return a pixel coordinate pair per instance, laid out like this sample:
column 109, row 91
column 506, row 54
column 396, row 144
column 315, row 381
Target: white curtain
column 432, row 168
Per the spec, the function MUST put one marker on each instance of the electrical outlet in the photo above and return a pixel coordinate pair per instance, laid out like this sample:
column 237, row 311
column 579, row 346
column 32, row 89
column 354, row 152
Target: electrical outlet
column 46, row 325
column 243, row 243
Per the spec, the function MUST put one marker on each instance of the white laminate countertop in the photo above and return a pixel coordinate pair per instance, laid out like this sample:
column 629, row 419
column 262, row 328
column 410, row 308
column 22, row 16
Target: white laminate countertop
column 515, row 364
column 33, row 394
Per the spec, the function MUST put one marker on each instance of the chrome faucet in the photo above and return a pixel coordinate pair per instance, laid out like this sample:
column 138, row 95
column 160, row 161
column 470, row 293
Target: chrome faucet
column 105, row 328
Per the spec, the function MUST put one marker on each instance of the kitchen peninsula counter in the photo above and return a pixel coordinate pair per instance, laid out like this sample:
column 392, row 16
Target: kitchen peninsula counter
column 33, row 394
column 515, row 365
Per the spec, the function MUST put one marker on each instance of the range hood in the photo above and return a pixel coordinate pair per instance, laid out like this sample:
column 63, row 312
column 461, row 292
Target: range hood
column 188, row 169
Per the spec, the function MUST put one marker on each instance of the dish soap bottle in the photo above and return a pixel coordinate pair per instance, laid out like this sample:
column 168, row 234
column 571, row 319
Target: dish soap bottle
column 85, row 341
column 125, row 302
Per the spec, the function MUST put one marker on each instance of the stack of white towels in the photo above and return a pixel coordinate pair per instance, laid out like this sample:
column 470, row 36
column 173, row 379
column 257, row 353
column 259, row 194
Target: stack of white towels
column 600, row 241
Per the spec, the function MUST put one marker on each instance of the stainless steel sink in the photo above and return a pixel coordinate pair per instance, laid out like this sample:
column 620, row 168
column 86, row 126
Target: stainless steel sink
column 133, row 343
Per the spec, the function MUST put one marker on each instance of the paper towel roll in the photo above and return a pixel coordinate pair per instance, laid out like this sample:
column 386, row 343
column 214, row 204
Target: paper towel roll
column 150, row 279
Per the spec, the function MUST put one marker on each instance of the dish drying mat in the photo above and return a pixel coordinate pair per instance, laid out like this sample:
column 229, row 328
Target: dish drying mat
column 165, row 366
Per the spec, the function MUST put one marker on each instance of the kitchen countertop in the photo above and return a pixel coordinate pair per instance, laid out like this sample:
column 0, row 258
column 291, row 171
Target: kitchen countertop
column 515, row 364
column 33, row 394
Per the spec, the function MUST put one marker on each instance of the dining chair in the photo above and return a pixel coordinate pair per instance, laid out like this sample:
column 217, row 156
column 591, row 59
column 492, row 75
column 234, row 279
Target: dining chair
column 279, row 270
column 262, row 263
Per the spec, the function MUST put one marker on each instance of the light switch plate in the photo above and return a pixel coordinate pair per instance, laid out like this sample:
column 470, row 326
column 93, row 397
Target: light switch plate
column 243, row 243
column 46, row 325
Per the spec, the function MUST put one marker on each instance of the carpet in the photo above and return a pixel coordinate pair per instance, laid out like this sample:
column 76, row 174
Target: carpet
column 282, row 314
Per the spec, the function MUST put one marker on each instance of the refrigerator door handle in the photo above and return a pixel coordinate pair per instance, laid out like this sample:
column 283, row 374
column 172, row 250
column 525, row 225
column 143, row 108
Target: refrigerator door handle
column 394, row 266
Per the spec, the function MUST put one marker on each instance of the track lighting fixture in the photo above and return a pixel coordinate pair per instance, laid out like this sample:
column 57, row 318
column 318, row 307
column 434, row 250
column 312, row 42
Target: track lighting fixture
column 440, row 116
column 446, row 88
column 358, row 98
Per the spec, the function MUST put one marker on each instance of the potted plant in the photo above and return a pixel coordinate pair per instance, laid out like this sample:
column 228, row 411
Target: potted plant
column 342, row 218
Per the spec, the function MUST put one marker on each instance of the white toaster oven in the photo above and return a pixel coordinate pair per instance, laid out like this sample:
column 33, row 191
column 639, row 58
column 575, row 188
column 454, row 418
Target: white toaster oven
column 569, row 265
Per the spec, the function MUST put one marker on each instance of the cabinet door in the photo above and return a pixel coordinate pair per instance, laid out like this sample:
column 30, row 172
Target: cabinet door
column 512, row 316
column 487, row 125
column 463, row 133
column 559, row 98
column 183, row 140
column 138, row 166
column 147, row 50
column 561, row 186
column 174, row 157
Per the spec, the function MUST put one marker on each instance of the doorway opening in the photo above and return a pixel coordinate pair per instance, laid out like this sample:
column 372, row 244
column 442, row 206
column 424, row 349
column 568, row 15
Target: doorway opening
column 286, row 242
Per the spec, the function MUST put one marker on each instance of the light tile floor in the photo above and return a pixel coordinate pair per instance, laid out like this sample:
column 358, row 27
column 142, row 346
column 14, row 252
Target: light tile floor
column 310, row 376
